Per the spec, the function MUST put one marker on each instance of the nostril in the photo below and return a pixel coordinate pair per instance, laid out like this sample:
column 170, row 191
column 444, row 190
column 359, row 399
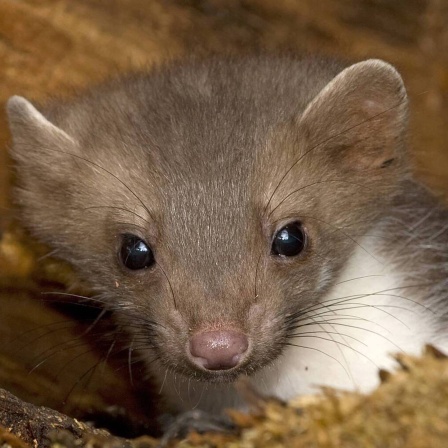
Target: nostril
column 218, row 349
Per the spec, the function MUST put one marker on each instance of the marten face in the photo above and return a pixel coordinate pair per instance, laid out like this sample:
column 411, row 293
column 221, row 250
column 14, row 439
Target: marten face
column 209, row 208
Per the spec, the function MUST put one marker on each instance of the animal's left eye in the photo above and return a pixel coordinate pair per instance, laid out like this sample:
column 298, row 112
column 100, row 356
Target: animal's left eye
column 135, row 253
column 290, row 240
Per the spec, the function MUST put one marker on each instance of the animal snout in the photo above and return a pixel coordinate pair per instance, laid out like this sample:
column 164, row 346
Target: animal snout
column 218, row 349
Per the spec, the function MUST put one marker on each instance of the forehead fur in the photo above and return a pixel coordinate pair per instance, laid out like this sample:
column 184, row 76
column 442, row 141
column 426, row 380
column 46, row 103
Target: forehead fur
column 190, row 112
column 213, row 136
column 198, row 130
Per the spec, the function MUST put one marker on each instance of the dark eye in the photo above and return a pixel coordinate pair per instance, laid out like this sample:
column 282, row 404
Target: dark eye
column 289, row 240
column 135, row 253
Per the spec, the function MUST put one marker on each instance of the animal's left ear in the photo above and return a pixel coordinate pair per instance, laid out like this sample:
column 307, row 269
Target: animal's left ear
column 360, row 117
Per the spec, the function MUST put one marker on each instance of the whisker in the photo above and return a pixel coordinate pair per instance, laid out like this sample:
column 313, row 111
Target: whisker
column 256, row 276
column 116, row 208
column 376, row 307
column 90, row 371
column 118, row 308
column 338, row 348
column 339, row 300
column 46, row 334
column 47, row 255
column 169, row 283
column 130, row 349
column 334, row 322
column 106, row 171
column 312, row 185
column 310, row 333
column 343, row 345
column 358, row 278
column 67, row 345
column 39, row 327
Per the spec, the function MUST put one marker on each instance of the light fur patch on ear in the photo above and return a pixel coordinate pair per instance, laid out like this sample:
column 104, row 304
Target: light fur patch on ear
column 362, row 110
column 26, row 121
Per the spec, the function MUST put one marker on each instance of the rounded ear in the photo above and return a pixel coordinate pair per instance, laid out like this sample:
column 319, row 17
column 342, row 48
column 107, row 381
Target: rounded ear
column 44, row 164
column 35, row 138
column 42, row 152
column 360, row 116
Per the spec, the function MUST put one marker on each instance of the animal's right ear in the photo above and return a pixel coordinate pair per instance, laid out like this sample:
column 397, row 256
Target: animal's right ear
column 45, row 158
column 37, row 141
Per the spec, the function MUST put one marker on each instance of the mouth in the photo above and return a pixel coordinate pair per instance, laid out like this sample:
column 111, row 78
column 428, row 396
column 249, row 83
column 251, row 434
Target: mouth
column 192, row 371
column 217, row 377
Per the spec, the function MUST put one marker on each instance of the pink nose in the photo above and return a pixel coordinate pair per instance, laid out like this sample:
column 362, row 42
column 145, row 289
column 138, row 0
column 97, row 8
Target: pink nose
column 218, row 349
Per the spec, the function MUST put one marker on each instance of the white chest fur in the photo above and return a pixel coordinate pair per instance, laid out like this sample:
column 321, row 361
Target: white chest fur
column 369, row 314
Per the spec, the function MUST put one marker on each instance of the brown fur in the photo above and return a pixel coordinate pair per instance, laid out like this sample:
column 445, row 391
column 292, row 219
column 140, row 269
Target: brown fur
column 205, row 160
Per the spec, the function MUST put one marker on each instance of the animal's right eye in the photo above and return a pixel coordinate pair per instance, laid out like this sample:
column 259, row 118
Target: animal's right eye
column 135, row 253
